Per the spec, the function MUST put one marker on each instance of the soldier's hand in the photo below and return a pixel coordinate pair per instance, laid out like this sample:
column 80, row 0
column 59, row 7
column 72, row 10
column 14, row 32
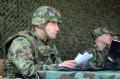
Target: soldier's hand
column 68, row 64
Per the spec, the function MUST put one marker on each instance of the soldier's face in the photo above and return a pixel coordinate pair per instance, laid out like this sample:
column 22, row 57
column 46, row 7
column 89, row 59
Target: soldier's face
column 52, row 29
column 105, row 39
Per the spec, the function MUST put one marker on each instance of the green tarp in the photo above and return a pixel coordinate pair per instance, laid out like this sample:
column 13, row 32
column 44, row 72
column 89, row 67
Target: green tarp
column 79, row 74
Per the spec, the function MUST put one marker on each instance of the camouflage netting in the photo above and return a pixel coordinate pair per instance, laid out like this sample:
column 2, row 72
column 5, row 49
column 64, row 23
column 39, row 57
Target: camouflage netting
column 80, row 17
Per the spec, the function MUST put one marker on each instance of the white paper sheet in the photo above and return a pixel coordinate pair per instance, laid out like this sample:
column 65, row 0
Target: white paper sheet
column 81, row 59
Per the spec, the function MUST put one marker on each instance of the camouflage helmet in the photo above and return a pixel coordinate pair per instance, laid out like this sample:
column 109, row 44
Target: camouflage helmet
column 99, row 31
column 44, row 14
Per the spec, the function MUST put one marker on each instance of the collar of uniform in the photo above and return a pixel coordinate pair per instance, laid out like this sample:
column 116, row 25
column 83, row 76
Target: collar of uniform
column 97, row 47
column 105, row 50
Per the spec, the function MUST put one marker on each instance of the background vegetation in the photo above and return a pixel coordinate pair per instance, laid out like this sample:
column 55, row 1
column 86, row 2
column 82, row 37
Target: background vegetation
column 80, row 17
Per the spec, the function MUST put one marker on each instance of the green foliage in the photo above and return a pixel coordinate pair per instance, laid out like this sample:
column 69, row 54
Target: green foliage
column 80, row 17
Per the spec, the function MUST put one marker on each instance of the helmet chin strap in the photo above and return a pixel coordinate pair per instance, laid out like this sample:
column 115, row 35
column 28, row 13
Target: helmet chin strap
column 46, row 34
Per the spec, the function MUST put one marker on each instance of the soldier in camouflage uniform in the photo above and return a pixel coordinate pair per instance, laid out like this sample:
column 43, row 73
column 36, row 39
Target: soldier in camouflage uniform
column 29, row 51
column 102, row 40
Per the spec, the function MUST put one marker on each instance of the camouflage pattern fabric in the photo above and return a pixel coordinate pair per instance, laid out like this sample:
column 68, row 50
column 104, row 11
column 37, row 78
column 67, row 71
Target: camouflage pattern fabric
column 30, row 54
column 79, row 75
column 44, row 14
column 102, row 30
column 98, row 59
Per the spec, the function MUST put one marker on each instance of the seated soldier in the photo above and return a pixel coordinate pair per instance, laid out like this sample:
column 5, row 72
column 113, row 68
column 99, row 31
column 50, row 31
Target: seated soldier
column 30, row 51
column 102, row 38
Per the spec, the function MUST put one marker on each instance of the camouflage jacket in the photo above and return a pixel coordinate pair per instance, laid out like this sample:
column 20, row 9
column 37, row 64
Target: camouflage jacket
column 29, row 54
column 99, row 56
column 100, row 59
